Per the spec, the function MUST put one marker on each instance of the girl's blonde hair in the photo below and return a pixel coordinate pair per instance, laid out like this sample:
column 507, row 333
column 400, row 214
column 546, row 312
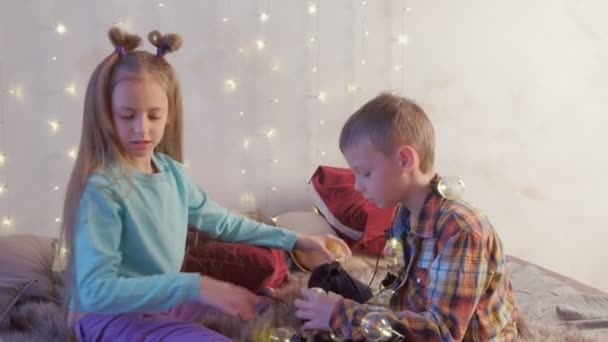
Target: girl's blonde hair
column 99, row 142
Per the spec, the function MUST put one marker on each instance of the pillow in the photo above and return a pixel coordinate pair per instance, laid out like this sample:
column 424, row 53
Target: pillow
column 27, row 258
column 11, row 290
column 359, row 222
column 252, row 267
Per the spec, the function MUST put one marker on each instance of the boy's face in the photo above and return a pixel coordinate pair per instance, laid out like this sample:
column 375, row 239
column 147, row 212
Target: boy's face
column 380, row 178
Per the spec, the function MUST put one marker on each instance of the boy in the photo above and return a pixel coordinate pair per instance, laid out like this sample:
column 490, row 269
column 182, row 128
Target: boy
column 456, row 285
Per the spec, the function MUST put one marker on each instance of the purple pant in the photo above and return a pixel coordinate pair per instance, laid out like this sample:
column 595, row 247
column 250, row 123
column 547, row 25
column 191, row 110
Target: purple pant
column 180, row 323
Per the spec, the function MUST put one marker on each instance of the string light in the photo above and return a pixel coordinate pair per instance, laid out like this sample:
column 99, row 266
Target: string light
column 55, row 125
column 312, row 9
column 275, row 101
column 60, row 28
column 54, row 58
column 2, row 158
column 225, row 20
column 322, row 96
column 270, row 133
column 56, row 187
column 276, row 67
column 230, row 85
column 264, row 17
column 243, row 171
column 351, row 88
column 260, row 44
column 7, row 221
column 57, row 219
column 3, row 189
column 72, row 153
column 402, row 39
column 241, row 113
column 71, row 89
column 314, row 69
column 160, row 4
column 246, row 144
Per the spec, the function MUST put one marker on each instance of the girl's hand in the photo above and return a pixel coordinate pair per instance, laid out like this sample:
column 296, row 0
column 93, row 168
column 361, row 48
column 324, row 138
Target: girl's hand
column 316, row 308
column 231, row 299
column 320, row 243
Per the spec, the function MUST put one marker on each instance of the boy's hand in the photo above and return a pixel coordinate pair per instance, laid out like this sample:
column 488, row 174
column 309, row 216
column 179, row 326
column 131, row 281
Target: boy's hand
column 234, row 300
column 321, row 243
column 316, row 308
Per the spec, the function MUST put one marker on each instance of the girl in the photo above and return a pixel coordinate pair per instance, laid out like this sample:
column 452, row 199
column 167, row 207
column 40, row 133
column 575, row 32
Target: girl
column 129, row 202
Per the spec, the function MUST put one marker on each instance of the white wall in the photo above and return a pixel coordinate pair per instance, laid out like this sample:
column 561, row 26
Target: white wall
column 517, row 92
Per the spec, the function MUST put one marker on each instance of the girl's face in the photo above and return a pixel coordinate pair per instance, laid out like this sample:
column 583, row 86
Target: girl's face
column 139, row 111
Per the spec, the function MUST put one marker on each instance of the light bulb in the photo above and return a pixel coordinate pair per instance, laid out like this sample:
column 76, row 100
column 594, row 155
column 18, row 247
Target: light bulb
column 225, row 20
column 2, row 158
column 260, row 44
column 363, row 3
column 246, row 144
column 393, row 252
column 71, row 89
column 275, row 101
column 314, row 69
column 72, row 153
column 398, row 67
column 241, row 113
column 351, row 88
column 321, row 122
column 160, row 4
column 6, row 221
column 451, row 187
column 230, row 85
column 54, row 58
column 375, row 327
column 275, row 161
column 54, row 125
column 312, row 39
column 274, row 219
column 408, row 9
column 243, row 171
column 323, row 153
column 312, row 9
column 274, row 188
column 60, row 28
column 56, row 187
column 337, row 250
column 270, row 133
column 366, row 33
column 264, row 17
column 57, row 220
column 363, row 61
column 402, row 39
column 3, row 189
column 322, row 96
column 276, row 67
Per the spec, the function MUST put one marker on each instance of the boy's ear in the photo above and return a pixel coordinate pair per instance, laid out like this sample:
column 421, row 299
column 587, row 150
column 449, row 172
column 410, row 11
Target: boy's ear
column 406, row 158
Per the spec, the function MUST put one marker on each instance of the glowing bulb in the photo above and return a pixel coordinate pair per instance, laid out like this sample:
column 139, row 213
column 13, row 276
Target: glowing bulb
column 224, row 20
column 274, row 188
column 2, row 158
column 351, row 88
column 60, row 28
column 241, row 50
column 57, row 219
column 312, row 40
column 398, row 67
column 275, row 161
column 276, row 67
column 393, row 252
column 402, row 39
column 54, row 58
column 54, row 125
column 71, row 89
column 323, row 153
column 321, row 122
column 3, row 189
column 274, row 219
column 246, row 144
column 72, row 153
column 312, row 9
column 230, row 85
column 264, row 17
column 11, row 91
column 260, row 44
column 366, row 33
column 270, row 133
column 243, row 171
column 322, row 96
column 363, row 3
column 6, row 221
column 160, row 4
column 451, row 187
column 275, row 101
column 408, row 9
column 241, row 113
column 56, row 187
column 363, row 61
column 314, row 69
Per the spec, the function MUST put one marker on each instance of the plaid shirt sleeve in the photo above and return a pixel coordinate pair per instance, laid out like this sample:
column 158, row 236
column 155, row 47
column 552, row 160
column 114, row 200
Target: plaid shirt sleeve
column 455, row 283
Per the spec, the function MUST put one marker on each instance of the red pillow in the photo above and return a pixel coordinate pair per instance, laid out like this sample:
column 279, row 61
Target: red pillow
column 358, row 221
column 245, row 265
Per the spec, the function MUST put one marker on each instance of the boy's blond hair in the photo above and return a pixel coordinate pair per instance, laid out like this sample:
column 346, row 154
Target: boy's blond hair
column 389, row 121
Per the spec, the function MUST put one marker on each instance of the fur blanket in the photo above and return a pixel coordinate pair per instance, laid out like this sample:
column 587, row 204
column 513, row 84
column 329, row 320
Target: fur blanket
column 281, row 314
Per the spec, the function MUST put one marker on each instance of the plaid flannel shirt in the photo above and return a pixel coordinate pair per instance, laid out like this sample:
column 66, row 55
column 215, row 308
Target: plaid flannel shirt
column 456, row 283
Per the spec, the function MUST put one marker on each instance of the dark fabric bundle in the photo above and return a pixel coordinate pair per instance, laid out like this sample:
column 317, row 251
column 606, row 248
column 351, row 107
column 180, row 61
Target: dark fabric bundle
column 332, row 277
